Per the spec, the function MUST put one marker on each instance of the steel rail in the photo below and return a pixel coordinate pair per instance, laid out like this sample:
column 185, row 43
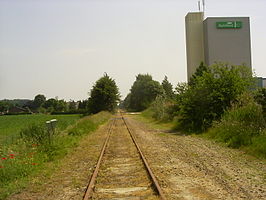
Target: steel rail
column 154, row 180
column 91, row 185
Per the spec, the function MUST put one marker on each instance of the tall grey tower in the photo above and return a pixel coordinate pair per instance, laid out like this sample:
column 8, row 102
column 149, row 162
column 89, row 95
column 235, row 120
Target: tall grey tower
column 217, row 39
column 194, row 41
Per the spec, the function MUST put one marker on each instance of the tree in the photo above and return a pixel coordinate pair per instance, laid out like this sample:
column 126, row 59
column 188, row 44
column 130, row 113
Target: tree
column 4, row 106
column 104, row 95
column 143, row 92
column 211, row 94
column 199, row 72
column 72, row 105
column 168, row 88
column 38, row 101
column 82, row 104
column 55, row 105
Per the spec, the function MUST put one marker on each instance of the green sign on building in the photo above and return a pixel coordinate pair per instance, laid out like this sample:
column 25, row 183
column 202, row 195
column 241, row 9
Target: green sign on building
column 229, row 24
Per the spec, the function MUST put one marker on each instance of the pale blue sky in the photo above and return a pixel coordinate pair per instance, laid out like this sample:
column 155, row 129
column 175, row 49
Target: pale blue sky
column 61, row 47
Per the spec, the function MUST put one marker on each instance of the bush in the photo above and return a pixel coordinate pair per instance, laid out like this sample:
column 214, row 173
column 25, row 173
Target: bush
column 240, row 124
column 211, row 93
column 161, row 108
column 36, row 134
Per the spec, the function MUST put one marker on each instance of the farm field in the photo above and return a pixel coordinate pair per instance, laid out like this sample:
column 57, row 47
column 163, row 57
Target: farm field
column 10, row 125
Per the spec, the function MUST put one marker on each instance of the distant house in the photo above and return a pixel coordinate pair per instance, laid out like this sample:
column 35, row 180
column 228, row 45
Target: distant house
column 18, row 110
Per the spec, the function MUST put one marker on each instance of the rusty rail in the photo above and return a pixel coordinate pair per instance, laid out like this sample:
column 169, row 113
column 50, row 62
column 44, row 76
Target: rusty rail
column 90, row 187
column 154, row 180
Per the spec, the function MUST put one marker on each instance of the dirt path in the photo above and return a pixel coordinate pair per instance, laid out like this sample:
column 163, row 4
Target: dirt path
column 193, row 168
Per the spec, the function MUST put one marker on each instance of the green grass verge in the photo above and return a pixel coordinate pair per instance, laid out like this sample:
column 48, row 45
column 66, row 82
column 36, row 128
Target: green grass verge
column 22, row 160
column 146, row 116
column 10, row 125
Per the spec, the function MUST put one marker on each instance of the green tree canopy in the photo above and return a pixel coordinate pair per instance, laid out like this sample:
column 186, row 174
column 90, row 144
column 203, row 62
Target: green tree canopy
column 212, row 93
column 143, row 92
column 4, row 106
column 168, row 88
column 104, row 95
column 38, row 101
column 55, row 105
column 199, row 72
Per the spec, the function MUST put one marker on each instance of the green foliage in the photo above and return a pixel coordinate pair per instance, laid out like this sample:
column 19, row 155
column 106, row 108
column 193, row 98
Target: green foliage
column 260, row 97
column 10, row 126
column 143, row 92
column 4, row 106
column 104, row 95
column 55, row 105
column 240, row 124
column 89, row 124
column 168, row 88
column 199, row 72
column 162, row 108
column 211, row 94
column 37, row 134
column 38, row 101
column 258, row 145
column 22, row 160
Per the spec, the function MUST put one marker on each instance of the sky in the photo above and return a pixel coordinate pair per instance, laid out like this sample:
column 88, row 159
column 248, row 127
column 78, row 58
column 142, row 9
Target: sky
column 60, row 48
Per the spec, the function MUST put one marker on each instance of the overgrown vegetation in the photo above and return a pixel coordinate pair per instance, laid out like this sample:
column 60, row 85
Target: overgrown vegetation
column 211, row 94
column 29, row 155
column 239, row 124
column 220, row 101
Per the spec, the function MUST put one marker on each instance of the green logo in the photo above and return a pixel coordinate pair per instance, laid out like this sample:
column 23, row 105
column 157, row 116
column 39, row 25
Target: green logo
column 229, row 24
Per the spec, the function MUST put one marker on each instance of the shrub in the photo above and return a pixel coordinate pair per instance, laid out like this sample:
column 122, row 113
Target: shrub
column 240, row 124
column 162, row 108
column 211, row 94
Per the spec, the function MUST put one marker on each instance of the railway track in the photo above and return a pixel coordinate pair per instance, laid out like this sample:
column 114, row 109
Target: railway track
column 122, row 171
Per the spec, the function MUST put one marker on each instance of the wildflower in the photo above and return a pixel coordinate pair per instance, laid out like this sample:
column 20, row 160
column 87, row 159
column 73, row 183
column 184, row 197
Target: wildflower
column 1, row 167
column 34, row 145
column 34, row 163
column 4, row 158
column 12, row 156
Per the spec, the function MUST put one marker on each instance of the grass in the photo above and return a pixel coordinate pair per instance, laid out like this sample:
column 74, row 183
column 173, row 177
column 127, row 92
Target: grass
column 146, row 116
column 22, row 160
column 10, row 125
